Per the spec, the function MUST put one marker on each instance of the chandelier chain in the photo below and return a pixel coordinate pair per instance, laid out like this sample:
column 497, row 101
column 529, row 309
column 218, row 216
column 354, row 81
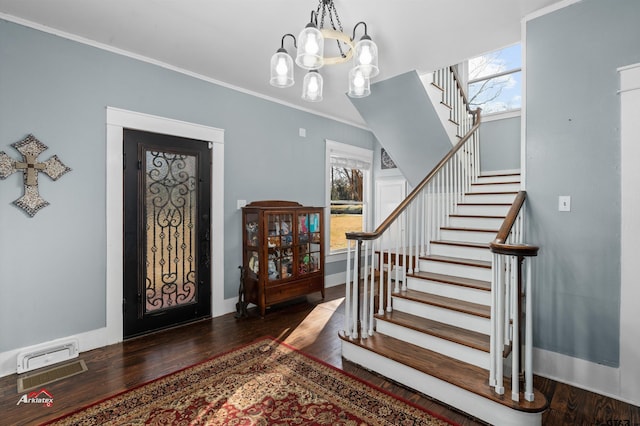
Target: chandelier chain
column 329, row 7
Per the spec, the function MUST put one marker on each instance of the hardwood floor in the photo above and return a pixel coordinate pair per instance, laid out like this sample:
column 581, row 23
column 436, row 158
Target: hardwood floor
column 310, row 325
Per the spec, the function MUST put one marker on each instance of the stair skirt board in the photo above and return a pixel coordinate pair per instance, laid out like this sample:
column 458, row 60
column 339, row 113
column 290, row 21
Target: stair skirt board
column 453, row 291
column 447, row 316
column 462, row 251
column 475, row 405
column 427, row 341
column 456, row 270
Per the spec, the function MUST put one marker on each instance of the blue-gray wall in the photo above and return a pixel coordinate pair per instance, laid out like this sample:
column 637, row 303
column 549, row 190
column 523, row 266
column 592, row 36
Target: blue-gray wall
column 52, row 279
column 573, row 148
column 500, row 144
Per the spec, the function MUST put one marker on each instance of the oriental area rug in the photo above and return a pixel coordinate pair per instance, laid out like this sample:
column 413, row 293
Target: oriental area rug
column 263, row 383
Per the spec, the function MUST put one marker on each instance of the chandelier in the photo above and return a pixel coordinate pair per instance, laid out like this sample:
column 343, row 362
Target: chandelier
column 310, row 55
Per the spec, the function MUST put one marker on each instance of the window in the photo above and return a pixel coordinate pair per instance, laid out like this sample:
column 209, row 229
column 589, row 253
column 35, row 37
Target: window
column 495, row 80
column 348, row 192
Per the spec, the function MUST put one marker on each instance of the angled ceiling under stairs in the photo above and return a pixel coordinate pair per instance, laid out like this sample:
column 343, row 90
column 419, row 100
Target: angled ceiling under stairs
column 404, row 120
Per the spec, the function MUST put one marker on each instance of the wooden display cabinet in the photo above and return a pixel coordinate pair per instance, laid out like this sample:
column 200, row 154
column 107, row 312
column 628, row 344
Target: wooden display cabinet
column 282, row 252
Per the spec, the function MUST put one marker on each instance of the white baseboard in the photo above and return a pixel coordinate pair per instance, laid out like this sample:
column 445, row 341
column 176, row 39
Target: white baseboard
column 579, row 373
column 334, row 279
column 86, row 341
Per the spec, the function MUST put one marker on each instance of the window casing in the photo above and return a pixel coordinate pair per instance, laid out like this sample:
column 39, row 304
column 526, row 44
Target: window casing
column 348, row 192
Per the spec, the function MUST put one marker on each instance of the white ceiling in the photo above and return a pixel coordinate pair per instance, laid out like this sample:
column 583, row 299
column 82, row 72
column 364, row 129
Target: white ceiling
column 231, row 41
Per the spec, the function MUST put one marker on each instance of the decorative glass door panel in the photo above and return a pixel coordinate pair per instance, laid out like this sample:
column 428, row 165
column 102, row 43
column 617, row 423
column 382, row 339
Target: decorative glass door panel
column 170, row 241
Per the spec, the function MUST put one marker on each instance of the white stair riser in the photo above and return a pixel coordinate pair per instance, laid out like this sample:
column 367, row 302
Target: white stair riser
column 489, row 198
column 475, row 222
column 456, row 270
column 433, row 343
column 438, row 288
column 495, row 187
column 482, row 210
column 464, row 252
column 447, row 316
column 467, row 236
column 477, row 406
column 494, row 179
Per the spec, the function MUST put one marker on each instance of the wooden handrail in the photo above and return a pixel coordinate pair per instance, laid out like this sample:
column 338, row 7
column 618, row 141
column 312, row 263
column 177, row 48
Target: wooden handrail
column 405, row 203
column 499, row 245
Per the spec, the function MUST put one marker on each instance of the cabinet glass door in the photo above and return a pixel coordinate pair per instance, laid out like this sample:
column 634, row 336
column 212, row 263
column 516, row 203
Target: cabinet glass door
column 308, row 243
column 280, row 246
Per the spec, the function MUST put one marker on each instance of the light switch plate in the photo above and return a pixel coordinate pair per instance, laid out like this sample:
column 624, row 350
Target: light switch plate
column 241, row 204
column 564, row 203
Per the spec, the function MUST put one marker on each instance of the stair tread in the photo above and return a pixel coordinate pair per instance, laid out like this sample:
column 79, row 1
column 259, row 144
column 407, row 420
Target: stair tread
column 450, row 279
column 445, row 302
column 456, row 228
column 467, row 194
column 444, row 331
column 495, row 183
column 458, row 260
column 458, row 373
column 477, row 216
column 499, row 174
column 463, row 243
column 483, row 204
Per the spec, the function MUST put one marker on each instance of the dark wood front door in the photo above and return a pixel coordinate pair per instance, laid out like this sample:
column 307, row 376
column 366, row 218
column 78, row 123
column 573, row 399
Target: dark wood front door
column 167, row 201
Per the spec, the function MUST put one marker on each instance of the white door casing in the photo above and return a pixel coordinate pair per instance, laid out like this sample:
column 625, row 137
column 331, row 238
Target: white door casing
column 117, row 120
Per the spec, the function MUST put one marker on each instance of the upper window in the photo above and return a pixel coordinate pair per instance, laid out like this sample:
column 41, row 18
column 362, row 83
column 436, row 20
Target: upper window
column 495, row 80
column 348, row 192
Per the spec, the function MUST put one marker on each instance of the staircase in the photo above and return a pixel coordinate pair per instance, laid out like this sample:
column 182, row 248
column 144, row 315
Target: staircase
column 440, row 310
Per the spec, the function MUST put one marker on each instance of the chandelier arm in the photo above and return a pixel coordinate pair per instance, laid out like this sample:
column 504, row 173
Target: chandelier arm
column 365, row 30
column 290, row 35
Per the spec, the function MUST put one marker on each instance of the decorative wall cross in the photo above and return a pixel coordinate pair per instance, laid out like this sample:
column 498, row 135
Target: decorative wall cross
column 31, row 148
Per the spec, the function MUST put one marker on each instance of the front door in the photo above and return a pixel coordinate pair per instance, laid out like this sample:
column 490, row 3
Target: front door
column 167, row 200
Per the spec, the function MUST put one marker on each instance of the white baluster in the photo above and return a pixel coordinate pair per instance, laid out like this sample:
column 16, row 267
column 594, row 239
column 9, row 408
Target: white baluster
column 500, row 328
column 515, row 345
column 396, row 287
column 494, row 356
column 365, row 293
column 381, row 278
column 389, row 260
column 355, row 297
column 372, row 292
column 528, row 339
column 403, row 243
column 347, row 297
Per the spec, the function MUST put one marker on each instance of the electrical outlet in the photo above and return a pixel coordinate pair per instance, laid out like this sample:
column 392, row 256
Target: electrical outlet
column 564, row 203
column 302, row 132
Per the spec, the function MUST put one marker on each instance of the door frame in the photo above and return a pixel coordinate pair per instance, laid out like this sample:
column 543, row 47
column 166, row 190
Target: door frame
column 117, row 120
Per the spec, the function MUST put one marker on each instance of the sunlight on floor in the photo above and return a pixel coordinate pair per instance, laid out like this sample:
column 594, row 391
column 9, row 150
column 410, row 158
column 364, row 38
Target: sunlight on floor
column 309, row 329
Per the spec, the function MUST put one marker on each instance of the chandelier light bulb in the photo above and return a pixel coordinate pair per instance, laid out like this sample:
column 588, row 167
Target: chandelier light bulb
column 359, row 85
column 312, row 87
column 311, row 48
column 365, row 56
column 281, row 69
